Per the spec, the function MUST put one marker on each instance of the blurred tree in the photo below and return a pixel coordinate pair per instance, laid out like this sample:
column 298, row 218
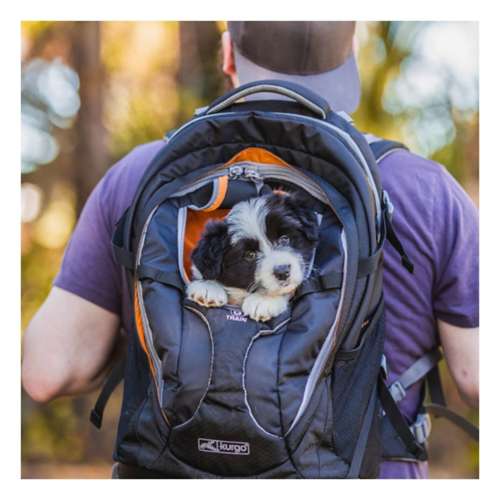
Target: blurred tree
column 90, row 158
column 199, row 76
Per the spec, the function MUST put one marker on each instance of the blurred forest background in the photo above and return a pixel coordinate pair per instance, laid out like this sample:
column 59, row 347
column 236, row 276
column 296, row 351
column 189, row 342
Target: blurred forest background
column 91, row 91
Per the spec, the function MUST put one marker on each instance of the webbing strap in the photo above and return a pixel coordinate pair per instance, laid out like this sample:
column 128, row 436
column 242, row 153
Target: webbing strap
column 458, row 420
column 121, row 254
column 114, row 378
column 435, row 387
column 399, row 423
column 361, row 444
column 427, row 367
column 396, row 243
column 333, row 279
column 438, row 408
column 167, row 278
column 414, row 373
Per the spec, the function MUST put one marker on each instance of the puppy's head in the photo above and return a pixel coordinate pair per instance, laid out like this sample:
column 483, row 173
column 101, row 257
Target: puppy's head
column 264, row 244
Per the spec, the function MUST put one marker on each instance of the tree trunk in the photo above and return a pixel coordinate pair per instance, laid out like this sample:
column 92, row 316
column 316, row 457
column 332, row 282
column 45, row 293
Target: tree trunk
column 199, row 76
column 90, row 160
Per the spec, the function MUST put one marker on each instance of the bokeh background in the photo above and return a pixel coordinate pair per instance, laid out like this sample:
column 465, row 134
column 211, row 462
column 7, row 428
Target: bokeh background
column 91, row 91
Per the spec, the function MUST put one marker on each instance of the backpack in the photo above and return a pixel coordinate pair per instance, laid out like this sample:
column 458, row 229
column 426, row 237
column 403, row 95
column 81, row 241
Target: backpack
column 211, row 393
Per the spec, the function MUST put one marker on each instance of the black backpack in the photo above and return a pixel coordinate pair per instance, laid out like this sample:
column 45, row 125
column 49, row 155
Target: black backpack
column 210, row 393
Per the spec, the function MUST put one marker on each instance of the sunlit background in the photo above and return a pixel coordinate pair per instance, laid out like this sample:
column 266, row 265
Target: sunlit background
column 91, row 91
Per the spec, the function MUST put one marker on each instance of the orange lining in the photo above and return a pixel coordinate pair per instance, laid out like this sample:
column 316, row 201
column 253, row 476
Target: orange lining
column 221, row 185
column 258, row 155
column 140, row 329
column 195, row 224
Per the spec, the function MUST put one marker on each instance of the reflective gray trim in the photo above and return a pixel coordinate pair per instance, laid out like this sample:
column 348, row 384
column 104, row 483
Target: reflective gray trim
column 268, row 88
column 181, row 230
column 212, row 355
column 370, row 138
column 247, row 404
column 387, row 153
column 213, row 196
column 147, row 329
column 325, row 351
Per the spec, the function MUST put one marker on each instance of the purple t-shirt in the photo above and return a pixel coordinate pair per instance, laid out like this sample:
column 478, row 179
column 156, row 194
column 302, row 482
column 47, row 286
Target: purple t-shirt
column 434, row 219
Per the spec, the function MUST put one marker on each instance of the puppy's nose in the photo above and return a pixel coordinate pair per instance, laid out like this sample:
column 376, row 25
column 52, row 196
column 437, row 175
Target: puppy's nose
column 282, row 272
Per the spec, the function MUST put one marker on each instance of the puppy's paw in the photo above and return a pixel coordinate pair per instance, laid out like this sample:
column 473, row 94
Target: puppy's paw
column 207, row 293
column 262, row 307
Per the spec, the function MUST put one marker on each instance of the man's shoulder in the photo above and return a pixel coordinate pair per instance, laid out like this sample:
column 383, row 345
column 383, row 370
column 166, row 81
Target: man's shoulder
column 415, row 180
column 121, row 181
column 133, row 165
column 403, row 163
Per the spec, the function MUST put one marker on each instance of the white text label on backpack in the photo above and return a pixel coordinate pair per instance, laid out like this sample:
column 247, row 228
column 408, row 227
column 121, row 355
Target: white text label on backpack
column 226, row 447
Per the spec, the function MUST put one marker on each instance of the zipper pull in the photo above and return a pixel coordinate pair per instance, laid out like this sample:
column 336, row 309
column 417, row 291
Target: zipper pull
column 235, row 172
column 254, row 176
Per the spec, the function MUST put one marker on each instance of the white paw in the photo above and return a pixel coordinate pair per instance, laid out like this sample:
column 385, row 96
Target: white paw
column 207, row 293
column 262, row 307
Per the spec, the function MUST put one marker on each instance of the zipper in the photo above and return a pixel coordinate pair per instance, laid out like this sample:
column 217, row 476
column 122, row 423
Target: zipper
column 158, row 380
column 339, row 133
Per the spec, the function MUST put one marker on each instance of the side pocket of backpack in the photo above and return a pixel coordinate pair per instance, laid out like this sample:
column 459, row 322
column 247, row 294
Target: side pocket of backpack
column 354, row 377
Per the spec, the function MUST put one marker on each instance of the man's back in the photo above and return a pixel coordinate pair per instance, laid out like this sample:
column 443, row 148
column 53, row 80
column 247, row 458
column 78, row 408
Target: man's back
column 434, row 218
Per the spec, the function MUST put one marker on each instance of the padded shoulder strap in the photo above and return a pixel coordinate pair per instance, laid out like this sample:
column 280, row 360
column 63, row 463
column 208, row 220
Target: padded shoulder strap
column 382, row 147
column 121, row 254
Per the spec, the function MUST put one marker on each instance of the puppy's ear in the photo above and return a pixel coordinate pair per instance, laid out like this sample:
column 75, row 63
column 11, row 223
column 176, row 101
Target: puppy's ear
column 303, row 208
column 209, row 252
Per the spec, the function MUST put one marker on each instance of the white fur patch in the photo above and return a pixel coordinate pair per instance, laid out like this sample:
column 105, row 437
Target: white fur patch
column 270, row 259
column 247, row 219
column 263, row 307
column 207, row 293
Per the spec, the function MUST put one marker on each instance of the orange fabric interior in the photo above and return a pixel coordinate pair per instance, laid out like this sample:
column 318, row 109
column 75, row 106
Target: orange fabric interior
column 140, row 329
column 196, row 220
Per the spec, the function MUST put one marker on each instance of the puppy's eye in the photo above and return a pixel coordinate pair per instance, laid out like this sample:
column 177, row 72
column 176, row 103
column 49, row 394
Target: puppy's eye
column 283, row 240
column 250, row 255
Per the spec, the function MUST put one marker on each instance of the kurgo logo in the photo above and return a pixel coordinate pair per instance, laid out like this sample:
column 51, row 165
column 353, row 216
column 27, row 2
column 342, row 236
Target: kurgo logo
column 236, row 315
column 226, row 447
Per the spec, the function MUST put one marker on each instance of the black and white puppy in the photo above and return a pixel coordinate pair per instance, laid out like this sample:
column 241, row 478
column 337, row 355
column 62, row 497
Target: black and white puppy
column 257, row 256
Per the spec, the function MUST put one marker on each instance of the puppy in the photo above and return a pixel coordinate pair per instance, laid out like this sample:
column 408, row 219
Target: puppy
column 256, row 257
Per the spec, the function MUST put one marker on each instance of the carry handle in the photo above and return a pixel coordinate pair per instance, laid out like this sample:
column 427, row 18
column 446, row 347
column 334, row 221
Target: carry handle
column 298, row 93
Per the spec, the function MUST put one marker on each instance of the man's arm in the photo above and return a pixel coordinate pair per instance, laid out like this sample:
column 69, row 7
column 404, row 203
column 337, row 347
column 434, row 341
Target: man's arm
column 461, row 351
column 67, row 347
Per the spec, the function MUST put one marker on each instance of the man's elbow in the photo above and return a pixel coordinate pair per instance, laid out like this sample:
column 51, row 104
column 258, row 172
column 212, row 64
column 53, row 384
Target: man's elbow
column 469, row 392
column 38, row 387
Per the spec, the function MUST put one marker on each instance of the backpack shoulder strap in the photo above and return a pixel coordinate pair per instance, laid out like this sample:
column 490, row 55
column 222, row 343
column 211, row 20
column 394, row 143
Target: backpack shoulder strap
column 383, row 147
column 427, row 368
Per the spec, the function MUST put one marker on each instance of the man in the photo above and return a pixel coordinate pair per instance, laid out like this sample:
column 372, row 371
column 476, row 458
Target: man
column 70, row 341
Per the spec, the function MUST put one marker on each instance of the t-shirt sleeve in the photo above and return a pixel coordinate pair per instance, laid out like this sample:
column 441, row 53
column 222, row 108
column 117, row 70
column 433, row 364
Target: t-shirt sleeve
column 88, row 268
column 456, row 236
